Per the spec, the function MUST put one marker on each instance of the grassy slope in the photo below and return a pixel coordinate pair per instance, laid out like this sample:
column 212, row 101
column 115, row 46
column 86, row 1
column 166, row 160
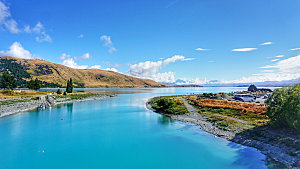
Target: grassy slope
column 81, row 77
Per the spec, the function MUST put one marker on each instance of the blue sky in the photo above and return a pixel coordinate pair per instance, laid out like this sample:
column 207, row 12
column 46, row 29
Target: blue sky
column 137, row 37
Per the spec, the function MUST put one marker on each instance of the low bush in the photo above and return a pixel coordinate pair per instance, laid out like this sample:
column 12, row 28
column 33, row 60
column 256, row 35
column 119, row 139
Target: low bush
column 170, row 105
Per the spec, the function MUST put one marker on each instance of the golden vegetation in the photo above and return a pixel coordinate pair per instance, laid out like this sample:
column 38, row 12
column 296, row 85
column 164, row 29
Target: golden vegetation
column 258, row 109
column 89, row 78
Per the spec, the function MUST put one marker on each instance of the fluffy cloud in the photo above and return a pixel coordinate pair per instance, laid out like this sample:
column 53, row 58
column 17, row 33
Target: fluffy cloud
column 112, row 69
column 95, row 67
column 86, row 56
column 7, row 22
column 266, row 43
column 200, row 49
column 166, row 77
column 150, row 69
column 17, row 50
column 286, row 69
column 108, row 43
column 294, row 49
column 70, row 62
column 279, row 56
column 244, row 49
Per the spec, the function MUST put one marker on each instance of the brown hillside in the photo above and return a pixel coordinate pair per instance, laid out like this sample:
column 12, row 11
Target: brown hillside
column 59, row 74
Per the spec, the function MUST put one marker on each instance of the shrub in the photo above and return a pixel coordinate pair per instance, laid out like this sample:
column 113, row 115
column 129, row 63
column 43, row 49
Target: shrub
column 165, row 103
column 169, row 105
column 65, row 93
column 58, row 91
column 284, row 107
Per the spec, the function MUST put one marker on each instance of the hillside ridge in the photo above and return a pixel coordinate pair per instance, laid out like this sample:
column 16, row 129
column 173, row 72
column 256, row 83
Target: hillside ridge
column 56, row 75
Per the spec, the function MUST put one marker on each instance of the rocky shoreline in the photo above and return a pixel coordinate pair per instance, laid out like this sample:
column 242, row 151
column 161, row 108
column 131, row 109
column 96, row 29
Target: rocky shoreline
column 280, row 147
column 24, row 105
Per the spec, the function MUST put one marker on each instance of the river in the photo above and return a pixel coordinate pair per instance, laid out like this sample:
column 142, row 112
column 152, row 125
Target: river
column 118, row 132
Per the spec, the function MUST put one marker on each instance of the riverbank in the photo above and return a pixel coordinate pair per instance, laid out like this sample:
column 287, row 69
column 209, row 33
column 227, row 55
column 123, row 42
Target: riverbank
column 279, row 146
column 10, row 106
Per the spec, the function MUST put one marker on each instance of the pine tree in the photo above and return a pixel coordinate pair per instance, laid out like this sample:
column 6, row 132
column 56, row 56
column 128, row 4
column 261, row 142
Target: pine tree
column 37, row 84
column 68, row 86
column 71, row 85
column 30, row 84
column 8, row 82
column 34, row 84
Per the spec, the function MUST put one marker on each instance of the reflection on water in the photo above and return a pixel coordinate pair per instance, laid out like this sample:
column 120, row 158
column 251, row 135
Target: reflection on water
column 164, row 120
column 70, row 108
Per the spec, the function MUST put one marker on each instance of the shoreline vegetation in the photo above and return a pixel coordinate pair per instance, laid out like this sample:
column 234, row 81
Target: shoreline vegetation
column 243, row 123
column 23, row 101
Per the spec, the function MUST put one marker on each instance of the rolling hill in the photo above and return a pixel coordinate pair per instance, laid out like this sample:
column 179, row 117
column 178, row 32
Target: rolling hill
column 56, row 75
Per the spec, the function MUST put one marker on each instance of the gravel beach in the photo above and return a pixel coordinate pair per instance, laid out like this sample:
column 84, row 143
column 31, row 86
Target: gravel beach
column 280, row 147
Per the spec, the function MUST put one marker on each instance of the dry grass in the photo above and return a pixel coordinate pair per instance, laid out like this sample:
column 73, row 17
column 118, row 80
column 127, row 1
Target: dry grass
column 90, row 78
column 6, row 94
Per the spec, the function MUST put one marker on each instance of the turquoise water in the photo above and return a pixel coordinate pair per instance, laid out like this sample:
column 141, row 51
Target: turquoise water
column 115, row 133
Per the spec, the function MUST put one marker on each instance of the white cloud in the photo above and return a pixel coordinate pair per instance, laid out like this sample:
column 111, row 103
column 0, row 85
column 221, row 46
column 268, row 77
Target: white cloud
column 294, row 49
column 200, row 49
column 151, row 70
column 166, row 77
column 7, row 22
column 268, row 71
column 17, row 50
column 286, row 69
column 43, row 37
column 266, row 43
column 279, row 56
column 80, row 36
column 274, row 60
column 244, row 49
column 197, row 81
column 85, row 56
column 112, row 69
column 108, row 43
column 69, row 61
column 112, row 65
column 95, row 67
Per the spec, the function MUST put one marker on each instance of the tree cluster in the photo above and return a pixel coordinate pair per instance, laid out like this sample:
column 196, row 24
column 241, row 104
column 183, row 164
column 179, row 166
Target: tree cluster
column 284, row 107
column 34, row 84
column 8, row 82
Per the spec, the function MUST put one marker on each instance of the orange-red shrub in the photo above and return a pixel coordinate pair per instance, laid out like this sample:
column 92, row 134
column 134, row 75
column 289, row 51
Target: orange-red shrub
column 225, row 104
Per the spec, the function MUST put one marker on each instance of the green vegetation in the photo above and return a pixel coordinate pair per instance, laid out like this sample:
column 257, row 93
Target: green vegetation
column 69, row 88
column 58, row 91
column 75, row 96
column 8, row 82
column 19, row 72
column 34, row 84
column 169, row 105
column 284, row 107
